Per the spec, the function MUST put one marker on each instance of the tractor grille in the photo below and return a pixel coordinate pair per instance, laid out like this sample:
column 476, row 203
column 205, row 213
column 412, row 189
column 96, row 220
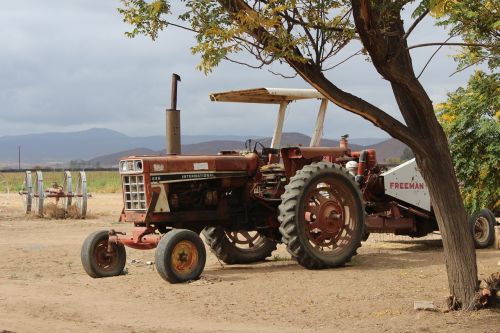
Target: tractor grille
column 133, row 192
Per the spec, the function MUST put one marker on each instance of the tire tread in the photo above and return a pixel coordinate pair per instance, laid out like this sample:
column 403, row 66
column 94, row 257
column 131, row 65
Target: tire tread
column 224, row 250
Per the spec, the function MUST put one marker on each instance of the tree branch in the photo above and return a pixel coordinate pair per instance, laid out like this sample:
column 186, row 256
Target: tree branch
column 432, row 56
column 392, row 60
column 197, row 31
column 355, row 104
column 346, row 59
column 468, row 66
column 282, row 75
column 414, row 25
column 181, row 26
column 452, row 44
column 245, row 64
column 308, row 33
column 305, row 24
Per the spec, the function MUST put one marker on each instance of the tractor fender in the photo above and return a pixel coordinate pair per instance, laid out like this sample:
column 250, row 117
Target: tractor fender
column 295, row 158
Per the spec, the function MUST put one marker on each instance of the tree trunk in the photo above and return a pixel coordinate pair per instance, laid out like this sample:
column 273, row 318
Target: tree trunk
column 459, row 252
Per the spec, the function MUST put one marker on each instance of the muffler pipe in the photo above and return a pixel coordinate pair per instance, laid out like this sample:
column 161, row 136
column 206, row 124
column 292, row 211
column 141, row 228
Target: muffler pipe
column 173, row 124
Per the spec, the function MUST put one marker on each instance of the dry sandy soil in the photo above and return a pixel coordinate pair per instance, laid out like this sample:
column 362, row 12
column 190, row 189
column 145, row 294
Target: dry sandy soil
column 43, row 287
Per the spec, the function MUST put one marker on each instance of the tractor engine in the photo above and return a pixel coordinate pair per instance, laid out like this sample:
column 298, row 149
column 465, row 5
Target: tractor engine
column 202, row 195
column 195, row 195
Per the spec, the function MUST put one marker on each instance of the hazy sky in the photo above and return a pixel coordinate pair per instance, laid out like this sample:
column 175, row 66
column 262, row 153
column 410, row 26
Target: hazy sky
column 66, row 65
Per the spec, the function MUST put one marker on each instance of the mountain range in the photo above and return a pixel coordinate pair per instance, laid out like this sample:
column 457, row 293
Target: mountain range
column 106, row 147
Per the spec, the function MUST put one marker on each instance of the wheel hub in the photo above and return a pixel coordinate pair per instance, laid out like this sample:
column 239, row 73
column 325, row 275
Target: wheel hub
column 184, row 257
column 330, row 218
column 481, row 229
column 105, row 259
column 325, row 217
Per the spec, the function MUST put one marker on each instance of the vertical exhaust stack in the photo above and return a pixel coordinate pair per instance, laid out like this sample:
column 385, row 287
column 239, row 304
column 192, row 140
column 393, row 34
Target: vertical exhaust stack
column 173, row 124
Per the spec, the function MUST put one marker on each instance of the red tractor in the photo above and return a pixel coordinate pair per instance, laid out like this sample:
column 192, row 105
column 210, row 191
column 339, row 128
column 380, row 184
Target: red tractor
column 315, row 200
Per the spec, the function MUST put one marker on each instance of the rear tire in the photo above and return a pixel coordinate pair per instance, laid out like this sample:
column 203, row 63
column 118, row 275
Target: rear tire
column 482, row 225
column 322, row 216
column 96, row 259
column 231, row 247
column 180, row 256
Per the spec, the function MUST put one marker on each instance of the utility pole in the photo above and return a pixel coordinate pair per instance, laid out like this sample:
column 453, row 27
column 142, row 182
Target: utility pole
column 19, row 156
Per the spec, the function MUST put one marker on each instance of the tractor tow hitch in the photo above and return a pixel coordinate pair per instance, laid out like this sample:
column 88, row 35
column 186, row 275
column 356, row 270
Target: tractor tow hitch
column 142, row 238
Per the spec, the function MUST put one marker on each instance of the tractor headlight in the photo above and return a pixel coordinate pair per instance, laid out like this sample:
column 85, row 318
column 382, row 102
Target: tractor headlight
column 137, row 165
column 131, row 166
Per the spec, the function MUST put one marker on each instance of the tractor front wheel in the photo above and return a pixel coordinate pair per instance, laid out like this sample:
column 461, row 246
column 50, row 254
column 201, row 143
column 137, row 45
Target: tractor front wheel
column 482, row 225
column 97, row 260
column 238, row 247
column 322, row 216
column 180, row 256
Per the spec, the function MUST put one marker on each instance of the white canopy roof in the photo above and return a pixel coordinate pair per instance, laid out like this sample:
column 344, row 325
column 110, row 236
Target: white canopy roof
column 265, row 95
column 281, row 96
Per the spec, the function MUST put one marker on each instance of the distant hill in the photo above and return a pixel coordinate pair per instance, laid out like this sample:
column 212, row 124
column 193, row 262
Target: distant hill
column 390, row 148
column 50, row 147
column 386, row 149
column 47, row 148
column 288, row 139
column 107, row 146
column 367, row 141
column 111, row 160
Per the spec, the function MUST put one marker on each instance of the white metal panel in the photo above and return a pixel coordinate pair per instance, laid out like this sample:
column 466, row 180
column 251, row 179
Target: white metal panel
column 405, row 183
column 162, row 205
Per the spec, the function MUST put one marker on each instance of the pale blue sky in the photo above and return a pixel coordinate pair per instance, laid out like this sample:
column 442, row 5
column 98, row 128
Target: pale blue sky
column 66, row 65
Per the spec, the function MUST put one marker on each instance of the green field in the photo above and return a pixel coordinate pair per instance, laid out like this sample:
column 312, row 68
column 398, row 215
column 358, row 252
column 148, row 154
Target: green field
column 97, row 181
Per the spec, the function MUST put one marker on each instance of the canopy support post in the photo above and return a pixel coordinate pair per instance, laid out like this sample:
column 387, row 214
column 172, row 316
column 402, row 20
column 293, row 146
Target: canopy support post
column 278, row 130
column 318, row 129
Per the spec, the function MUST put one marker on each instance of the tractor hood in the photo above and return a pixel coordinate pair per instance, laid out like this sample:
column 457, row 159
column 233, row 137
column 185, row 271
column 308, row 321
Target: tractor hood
column 198, row 163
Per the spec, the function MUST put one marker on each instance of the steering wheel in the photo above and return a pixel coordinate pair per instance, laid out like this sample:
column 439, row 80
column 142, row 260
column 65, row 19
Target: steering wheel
column 248, row 147
column 264, row 151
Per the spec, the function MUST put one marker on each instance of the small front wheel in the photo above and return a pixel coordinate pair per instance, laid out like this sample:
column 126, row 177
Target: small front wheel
column 180, row 256
column 97, row 260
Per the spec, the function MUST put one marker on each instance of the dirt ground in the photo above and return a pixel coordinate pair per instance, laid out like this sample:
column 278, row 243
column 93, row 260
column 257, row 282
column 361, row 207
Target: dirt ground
column 43, row 287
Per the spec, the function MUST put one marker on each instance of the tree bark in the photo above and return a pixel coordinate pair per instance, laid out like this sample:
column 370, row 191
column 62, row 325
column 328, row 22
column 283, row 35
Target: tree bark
column 459, row 252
